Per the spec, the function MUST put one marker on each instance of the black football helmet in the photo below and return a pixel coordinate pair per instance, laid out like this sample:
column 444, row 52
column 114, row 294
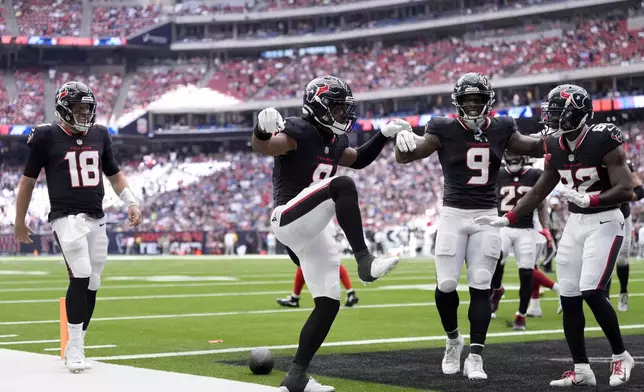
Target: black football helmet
column 514, row 162
column 567, row 109
column 328, row 100
column 473, row 97
column 76, row 106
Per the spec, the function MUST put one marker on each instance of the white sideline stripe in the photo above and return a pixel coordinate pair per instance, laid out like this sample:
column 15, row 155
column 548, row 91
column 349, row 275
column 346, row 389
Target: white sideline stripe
column 29, row 342
column 8, row 336
column 97, row 346
column 596, row 359
column 250, row 312
column 346, row 343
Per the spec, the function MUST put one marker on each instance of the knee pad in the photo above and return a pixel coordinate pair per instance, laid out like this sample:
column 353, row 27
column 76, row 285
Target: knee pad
column 447, row 285
column 342, row 184
column 94, row 282
column 481, row 279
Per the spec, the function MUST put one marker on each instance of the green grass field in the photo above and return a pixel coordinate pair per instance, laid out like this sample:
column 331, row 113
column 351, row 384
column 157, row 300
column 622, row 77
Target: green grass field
column 171, row 306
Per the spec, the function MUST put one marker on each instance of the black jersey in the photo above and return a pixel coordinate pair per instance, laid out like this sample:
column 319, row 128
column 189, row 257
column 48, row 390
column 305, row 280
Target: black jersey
column 471, row 160
column 626, row 207
column 583, row 169
column 73, row 164
column 315, row 158
column 510, row 189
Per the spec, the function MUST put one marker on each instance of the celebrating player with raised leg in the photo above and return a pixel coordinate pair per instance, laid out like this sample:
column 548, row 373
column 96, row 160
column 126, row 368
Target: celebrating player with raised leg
column 590, row 162
column 470, row 148
column 307, row 195
column 75, row 153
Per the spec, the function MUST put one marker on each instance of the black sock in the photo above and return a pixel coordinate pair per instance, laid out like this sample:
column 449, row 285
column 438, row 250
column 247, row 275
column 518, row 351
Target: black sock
column 525, row 288
column 622, row 274
column 497, row 278
column 479, row 314
column 314, row 332
column 574, row 324
column 76, row 302
column 347, row 211
column 90, row 297
column 447, row 306
column 606, row 318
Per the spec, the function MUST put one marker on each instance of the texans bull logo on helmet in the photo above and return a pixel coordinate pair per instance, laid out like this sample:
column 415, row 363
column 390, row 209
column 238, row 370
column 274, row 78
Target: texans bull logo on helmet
column 574, row 96
column 311, row 94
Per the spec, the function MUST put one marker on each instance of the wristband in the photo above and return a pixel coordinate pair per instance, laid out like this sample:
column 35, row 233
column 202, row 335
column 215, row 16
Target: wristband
column 263, row 136
column 594, row 201
column 512, row 217
column 127, row 196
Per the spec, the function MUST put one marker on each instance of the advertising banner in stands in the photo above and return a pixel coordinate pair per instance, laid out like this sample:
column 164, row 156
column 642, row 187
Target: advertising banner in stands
column 156, row 37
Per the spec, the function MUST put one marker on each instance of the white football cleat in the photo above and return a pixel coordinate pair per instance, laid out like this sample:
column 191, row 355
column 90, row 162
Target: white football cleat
column 493, row 316
column 473, row 367
column 75, row 357
column 534, row 311
column 622, row 305
column 620, row 369
column 452, row 359
column 380, row 266
column 312, row 386
column 576, row 377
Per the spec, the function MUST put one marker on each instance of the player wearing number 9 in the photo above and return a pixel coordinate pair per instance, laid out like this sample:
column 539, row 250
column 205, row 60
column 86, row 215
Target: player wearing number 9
column 307, row 194
column 590, row 163
column 470, row 148
column 75, row 154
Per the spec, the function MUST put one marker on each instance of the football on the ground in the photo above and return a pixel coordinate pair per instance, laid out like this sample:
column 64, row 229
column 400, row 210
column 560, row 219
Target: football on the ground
column 261, row 361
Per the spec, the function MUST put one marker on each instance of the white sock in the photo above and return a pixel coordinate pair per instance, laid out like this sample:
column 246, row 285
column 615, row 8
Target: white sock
column 295, row 296
column 75, row 332
column 535, row 302
column 350, row 291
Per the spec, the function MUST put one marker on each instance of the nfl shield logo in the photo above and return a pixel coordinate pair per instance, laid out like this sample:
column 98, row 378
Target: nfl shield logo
column 326, row 150
column 571, row 157
column 516, row 179
column 79, row 141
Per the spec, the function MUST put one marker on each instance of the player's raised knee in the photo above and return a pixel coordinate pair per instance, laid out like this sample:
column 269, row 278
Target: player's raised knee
column 447, row 285
column 343, row 184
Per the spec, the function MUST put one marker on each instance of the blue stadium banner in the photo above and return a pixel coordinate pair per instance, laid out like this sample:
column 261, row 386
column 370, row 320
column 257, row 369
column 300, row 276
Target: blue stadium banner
column 159, row 36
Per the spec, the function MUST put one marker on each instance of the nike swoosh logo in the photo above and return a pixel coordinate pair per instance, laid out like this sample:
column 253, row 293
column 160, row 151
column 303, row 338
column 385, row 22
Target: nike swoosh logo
column 602, row 222
column 102, row 224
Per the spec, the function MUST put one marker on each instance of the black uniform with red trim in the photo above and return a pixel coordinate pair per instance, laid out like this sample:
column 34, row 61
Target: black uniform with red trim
column 510, row 189
column 315, row 158
column 471, row 159
column 583, row 167
column 73, row 165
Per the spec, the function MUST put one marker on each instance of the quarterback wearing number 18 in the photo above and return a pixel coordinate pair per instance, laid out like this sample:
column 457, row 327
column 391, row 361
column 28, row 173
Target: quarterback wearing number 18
column 75, row 154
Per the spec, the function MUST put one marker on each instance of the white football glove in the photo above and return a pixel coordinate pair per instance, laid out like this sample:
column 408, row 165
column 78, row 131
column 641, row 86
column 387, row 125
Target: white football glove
column 573, row 196
column 494, row 221
column 406, row 141
column 270, row 121
column 395, row 126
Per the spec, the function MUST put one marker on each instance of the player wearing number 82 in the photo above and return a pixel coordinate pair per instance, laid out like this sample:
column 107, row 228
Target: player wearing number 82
column 591, row 164
column 307, row 194
column 75, row 153
column 470, row 148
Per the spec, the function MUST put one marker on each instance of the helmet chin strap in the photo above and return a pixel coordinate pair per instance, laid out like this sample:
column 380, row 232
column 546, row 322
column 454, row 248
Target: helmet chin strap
column 514, row 168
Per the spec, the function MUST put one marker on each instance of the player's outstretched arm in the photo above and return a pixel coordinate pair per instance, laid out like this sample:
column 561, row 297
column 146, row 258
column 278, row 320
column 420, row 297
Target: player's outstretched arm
column 526, row 145
column 620, row 179
column 526, row 205
column 411, row 147
column 267, row 137
column 25, row 189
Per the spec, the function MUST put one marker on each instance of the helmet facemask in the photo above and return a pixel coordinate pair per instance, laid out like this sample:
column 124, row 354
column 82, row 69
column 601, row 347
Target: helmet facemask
column 559, row 121
column 514, row 163
column 78, row 116
column 473, row 106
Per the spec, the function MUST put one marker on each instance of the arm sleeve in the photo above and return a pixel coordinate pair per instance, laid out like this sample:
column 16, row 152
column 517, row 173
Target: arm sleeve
column 369, row 151
column 37, row 158
column 110, row 166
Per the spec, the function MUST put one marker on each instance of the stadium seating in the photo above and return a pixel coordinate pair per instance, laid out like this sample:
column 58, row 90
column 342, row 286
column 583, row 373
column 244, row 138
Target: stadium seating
column 124, row 20
column 49, row 18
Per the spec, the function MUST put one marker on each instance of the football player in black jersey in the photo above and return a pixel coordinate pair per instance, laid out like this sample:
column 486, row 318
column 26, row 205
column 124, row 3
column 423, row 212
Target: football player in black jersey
column 470, row 148
column 75, row 154
column 307, row 194
column 514, row 180
column 591, row 164
column 623, row 265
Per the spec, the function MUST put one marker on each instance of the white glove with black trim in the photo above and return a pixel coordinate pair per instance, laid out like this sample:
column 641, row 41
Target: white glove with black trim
column 573, row 196
column 270, row 121
column 406, row 141
column 395, row 126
